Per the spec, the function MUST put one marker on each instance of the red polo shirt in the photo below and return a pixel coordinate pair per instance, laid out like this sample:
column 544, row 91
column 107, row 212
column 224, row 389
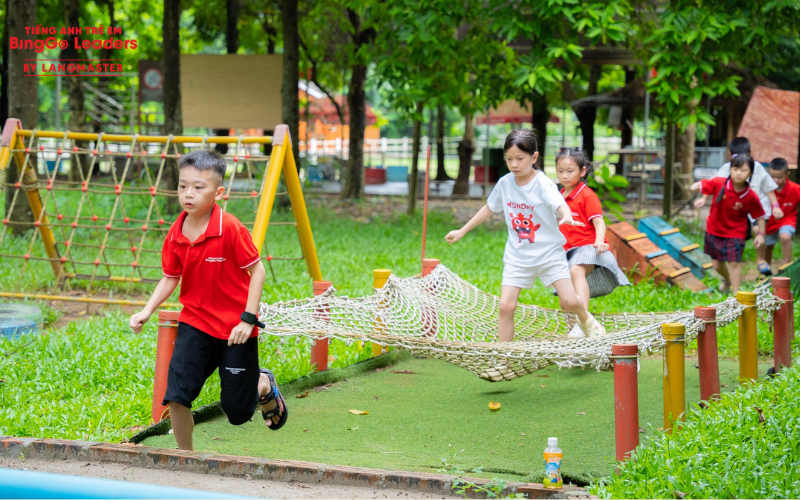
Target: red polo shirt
column 213, row 272
column 728, row 218
column 788, row 198
column 585, row 206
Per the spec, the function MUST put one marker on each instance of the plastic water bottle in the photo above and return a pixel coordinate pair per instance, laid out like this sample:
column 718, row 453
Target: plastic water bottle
column 552, row 465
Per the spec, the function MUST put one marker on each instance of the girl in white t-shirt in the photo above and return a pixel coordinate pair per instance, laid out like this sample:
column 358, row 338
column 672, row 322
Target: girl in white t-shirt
column 529, row 201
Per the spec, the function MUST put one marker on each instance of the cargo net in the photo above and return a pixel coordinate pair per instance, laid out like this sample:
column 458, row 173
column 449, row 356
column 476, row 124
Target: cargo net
column 445, row 317
column 109, row 224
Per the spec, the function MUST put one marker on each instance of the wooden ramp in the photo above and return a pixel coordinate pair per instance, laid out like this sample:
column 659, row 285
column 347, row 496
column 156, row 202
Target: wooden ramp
column 642, row 259
column 678, row 246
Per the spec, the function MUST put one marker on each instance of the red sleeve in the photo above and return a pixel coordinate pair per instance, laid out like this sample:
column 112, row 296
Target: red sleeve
column 755, row 209
column 591, row 206
column 710, row 186
column 171, row 264
column 244, row 249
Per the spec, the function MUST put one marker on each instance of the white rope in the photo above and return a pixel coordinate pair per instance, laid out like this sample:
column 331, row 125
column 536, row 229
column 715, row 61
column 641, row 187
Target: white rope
column 448, row 318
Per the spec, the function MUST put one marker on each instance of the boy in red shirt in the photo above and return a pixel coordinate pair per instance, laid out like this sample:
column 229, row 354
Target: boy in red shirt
column 213, row 256
column 788, row 194
column 726, row 226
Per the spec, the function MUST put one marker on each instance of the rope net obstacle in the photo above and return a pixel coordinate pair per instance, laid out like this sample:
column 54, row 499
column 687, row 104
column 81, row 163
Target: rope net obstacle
column 444, row 317
column 106, row 231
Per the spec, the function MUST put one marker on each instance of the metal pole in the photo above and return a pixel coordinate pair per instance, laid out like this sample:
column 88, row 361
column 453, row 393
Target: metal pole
column 319, row 350
column 486, row 167
column 626, row 399
column 748, row 341
column 784, row 326
column 58, row 102
column 674, row 374
column 425, row 204
column 707, row 354
column 646, row 108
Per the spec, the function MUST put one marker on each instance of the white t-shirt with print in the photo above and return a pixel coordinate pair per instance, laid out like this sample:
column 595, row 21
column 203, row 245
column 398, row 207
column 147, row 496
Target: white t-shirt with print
column 761, row 182
column 530, row 214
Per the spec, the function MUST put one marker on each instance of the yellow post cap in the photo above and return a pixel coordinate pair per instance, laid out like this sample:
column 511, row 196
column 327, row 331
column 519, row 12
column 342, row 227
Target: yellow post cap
column 381, row 273
column 673, row 331
column 746, row 298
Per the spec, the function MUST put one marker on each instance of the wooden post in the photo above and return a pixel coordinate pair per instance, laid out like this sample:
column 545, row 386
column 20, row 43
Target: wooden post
column 379, row 278
column 319, row 351
column 784, row 323
column 674, row 374
column 748, row 340
column 626, row 399
column 167, row 333
column 707, row 354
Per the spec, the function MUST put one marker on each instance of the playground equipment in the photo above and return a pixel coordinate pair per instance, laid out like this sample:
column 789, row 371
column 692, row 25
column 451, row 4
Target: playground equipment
column 447, row 318
column 93, row 230
column 641, row 258
column 678, row 246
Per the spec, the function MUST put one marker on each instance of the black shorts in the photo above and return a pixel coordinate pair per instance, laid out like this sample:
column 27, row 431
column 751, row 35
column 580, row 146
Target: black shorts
column 197, row 355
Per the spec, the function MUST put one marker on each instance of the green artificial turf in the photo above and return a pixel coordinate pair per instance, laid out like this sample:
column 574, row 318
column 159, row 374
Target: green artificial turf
column 437, row 419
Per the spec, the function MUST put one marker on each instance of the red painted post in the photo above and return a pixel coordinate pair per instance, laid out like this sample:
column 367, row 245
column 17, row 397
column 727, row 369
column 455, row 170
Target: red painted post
column 429, row 265
column 707, row 353
column 784, row 323
column 319, row 351
column 626, row 399
column 167, row 333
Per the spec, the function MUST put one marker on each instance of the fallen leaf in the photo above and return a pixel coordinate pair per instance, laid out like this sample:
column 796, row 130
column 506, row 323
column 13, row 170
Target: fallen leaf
column 352, row 428
column 359, row 412
column 306, row 430
column 697, row 366
column 81, row 313
column 521, row 444
column 641, row 431
column 407, row 372
column 680, row 494
column 491, row 452
column 542, row 376
column 301, row 396
column 724, row 385
column 323, row 387
column 581, row 413
column 494, row 406
column 216, row 439
column 761, row 418
column 376, row 397
column 522, row 434
column 542, row 386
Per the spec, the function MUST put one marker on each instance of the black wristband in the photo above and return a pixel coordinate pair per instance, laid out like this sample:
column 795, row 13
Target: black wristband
column 251, row 319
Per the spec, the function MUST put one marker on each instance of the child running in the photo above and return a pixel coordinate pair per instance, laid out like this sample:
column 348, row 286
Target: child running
column 213, row 257
column 535, row 246
column 593, row 268
column 726, row 227
column 788, row 194
column 764, row 187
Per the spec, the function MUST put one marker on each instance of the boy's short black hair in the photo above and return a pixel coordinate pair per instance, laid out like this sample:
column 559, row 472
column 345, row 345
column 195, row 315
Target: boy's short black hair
column 779, row 165
column 739, row 145
column 204, row 159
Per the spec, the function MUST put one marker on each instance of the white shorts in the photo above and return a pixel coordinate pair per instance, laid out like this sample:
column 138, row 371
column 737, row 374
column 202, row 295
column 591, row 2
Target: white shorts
column 523, row 277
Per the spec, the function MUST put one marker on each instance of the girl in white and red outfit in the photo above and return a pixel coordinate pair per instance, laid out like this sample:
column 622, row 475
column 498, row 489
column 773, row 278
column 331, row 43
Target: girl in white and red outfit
column 593, row 268
column 531, row 205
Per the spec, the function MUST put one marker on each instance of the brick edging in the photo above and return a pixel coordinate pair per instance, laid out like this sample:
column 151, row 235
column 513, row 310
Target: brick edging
column 256, row 468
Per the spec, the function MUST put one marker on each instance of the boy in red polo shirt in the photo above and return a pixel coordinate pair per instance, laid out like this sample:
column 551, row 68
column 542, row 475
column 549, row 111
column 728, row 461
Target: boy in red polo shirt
column 593, row 269
column 788, row 194
column 213, row 256
column 726, row 226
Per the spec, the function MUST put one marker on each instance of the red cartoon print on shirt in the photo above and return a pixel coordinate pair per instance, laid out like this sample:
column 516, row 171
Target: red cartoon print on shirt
column 524, row 226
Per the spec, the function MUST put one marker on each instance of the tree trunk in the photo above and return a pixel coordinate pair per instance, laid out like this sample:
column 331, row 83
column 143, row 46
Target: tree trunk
column 23, row 102
column 669, row 150
column 441, row 174
column 356, row 101
column 291, row 70
column 4, row 74
column 541, row 115
column 627, row 114
column 466, row 147
column 171, row 62
column 76, row 102
column 588, row 114
column 415, row 147
column 232, row 46
column 107, row 53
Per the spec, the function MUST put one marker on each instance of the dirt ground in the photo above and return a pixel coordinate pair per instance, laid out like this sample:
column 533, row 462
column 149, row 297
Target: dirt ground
column 232, row 485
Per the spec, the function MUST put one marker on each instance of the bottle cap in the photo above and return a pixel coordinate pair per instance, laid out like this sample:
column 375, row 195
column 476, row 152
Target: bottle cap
column 552, row 442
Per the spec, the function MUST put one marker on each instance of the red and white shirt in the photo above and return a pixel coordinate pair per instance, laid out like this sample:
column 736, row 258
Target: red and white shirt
column 728, row 217
column 788, row 198
column 213, row 272
column 585, row 206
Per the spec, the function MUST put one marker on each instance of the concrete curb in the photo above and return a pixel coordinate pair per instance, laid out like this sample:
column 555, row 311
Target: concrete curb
column 257, row 468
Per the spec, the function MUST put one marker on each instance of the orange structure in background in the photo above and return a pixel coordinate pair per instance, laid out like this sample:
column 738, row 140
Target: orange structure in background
column 325, row 123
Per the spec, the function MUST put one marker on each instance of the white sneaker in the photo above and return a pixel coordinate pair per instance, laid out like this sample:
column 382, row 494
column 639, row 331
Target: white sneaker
column 576, row 333
column 592, row 327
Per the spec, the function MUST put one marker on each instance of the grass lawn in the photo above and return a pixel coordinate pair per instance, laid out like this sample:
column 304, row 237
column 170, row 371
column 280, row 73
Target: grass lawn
column 437, row 419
